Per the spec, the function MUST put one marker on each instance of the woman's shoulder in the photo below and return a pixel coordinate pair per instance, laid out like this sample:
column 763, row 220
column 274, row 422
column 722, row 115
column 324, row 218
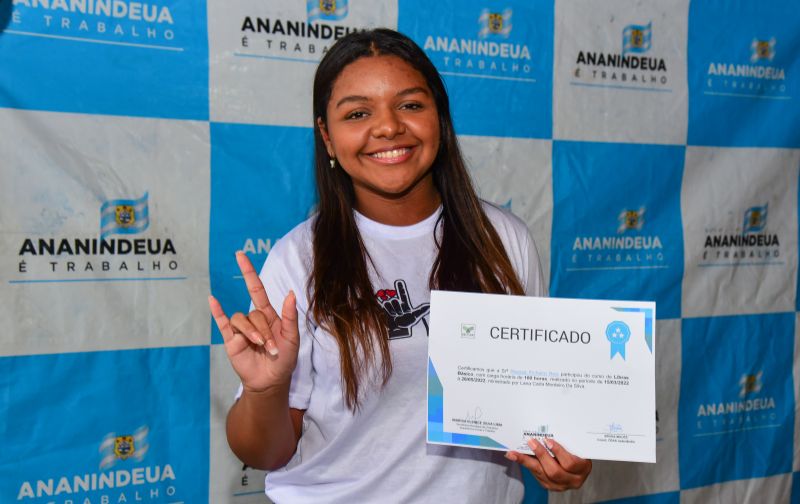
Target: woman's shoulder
column 293, row 251
column 297, row 241
column 504, row 221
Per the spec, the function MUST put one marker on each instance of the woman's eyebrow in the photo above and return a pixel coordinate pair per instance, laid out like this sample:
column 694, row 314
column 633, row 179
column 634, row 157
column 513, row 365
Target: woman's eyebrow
column 359, row 98
column 351, row 98
column 418, row 89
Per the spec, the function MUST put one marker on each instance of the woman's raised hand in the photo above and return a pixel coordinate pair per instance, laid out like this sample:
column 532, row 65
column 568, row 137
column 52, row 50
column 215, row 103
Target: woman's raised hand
column 261, row 346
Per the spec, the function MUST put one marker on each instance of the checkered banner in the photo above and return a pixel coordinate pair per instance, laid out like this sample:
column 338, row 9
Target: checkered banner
column 653, row 148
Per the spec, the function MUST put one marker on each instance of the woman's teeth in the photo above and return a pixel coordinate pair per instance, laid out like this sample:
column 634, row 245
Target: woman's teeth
column 395, row 153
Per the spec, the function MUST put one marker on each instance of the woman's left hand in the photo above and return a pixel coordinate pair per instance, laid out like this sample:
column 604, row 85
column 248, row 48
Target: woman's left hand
column 558, row 472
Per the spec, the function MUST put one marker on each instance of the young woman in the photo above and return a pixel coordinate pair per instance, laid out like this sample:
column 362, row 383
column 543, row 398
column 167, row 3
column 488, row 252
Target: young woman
column 333, row 388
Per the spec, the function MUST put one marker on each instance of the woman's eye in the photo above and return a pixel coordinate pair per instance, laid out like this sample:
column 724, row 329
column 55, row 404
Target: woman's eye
column 412, row 106
column 357, row 114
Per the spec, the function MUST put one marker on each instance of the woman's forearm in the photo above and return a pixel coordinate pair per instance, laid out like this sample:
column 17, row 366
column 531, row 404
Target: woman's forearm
column 261, row 429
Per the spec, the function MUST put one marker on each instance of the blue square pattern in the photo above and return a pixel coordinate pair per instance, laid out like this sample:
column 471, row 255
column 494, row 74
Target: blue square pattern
column 116, row 58
column 534, row 493
column 118, row 426
column 661, row 498
column 744, row 74
column 497, row 62
column 736, row 410
column 257, row 196
column 617, row 230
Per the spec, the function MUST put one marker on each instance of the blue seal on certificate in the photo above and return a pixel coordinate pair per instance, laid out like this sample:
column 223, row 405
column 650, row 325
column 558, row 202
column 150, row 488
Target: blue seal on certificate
column 618, row 333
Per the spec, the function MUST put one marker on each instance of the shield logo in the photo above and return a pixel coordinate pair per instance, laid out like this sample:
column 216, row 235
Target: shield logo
column 327, row 6
column 637, row 38
column 124, row 447
column 631, row 219
column 763, row 49
column 750, row 384
column 755, row 219
column 495, row 23
column 125, row 215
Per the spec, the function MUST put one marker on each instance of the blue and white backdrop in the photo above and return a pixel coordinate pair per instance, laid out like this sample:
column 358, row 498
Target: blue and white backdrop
column 652, row 147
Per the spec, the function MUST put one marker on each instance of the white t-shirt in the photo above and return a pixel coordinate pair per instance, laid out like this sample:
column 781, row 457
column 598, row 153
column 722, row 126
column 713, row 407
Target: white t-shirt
column 379, row 454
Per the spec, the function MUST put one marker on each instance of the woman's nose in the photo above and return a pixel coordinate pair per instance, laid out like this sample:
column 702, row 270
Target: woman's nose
column 387, row 124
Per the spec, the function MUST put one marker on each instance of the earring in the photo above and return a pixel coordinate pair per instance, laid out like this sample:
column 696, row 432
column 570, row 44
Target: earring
column 333, row 163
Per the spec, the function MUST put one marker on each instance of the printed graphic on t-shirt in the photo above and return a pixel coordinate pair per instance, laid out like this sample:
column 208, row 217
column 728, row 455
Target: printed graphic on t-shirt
column 402, row 316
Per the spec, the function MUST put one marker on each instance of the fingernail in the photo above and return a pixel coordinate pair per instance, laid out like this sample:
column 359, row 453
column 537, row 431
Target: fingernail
column 258, row 338
column 272, row 348
column 548, row 443
column 533, row 444
column 511, row 456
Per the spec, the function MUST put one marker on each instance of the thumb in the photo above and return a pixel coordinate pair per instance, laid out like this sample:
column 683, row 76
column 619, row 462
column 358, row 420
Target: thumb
column 421, row 310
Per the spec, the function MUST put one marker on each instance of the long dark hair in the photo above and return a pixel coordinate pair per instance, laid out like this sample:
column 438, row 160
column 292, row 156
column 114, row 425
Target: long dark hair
column 471, row 257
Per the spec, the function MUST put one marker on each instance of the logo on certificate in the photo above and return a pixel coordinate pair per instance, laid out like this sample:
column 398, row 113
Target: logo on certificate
column 539, row 431
column 618, row 334
column 468, row 331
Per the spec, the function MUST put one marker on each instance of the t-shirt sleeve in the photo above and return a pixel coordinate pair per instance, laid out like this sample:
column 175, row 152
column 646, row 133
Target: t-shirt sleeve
column 520, row 248
column 534, row 283
column 284, row 270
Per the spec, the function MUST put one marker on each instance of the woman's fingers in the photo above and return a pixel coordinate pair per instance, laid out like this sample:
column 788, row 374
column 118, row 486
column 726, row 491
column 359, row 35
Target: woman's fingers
column 223, row 324
column 261, row 326
column 242, row 324
column 254, row 286
column 551, row 467
column 533, row 465
column 549, row 471
column 568, row 461
column 289, row 329
column 260, row 322
column 235, row 342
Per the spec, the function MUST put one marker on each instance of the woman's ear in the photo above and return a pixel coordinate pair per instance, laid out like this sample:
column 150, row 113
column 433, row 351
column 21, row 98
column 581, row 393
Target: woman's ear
column 323, row 130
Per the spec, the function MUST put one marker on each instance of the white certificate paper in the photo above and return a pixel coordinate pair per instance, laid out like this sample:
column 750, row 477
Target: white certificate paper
column 503, row 369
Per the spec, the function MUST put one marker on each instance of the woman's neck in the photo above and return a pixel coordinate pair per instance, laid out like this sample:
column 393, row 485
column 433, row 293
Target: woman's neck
column 400, row 210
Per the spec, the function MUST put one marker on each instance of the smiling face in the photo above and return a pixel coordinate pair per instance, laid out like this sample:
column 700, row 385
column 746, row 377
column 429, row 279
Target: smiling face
column 383, row 129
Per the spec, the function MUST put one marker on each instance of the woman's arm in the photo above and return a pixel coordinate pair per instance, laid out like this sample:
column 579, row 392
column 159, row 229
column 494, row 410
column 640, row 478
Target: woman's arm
column 262, row 430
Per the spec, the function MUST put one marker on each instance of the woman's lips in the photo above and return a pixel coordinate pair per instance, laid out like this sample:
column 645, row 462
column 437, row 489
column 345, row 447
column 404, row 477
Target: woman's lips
column 391, row 156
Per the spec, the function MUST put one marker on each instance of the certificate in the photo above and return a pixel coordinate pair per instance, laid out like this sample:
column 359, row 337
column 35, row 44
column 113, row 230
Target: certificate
column 503, row 369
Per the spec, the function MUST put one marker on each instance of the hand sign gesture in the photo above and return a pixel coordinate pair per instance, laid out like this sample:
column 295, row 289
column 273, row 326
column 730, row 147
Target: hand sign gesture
column 402, row 315
column 261, row 346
